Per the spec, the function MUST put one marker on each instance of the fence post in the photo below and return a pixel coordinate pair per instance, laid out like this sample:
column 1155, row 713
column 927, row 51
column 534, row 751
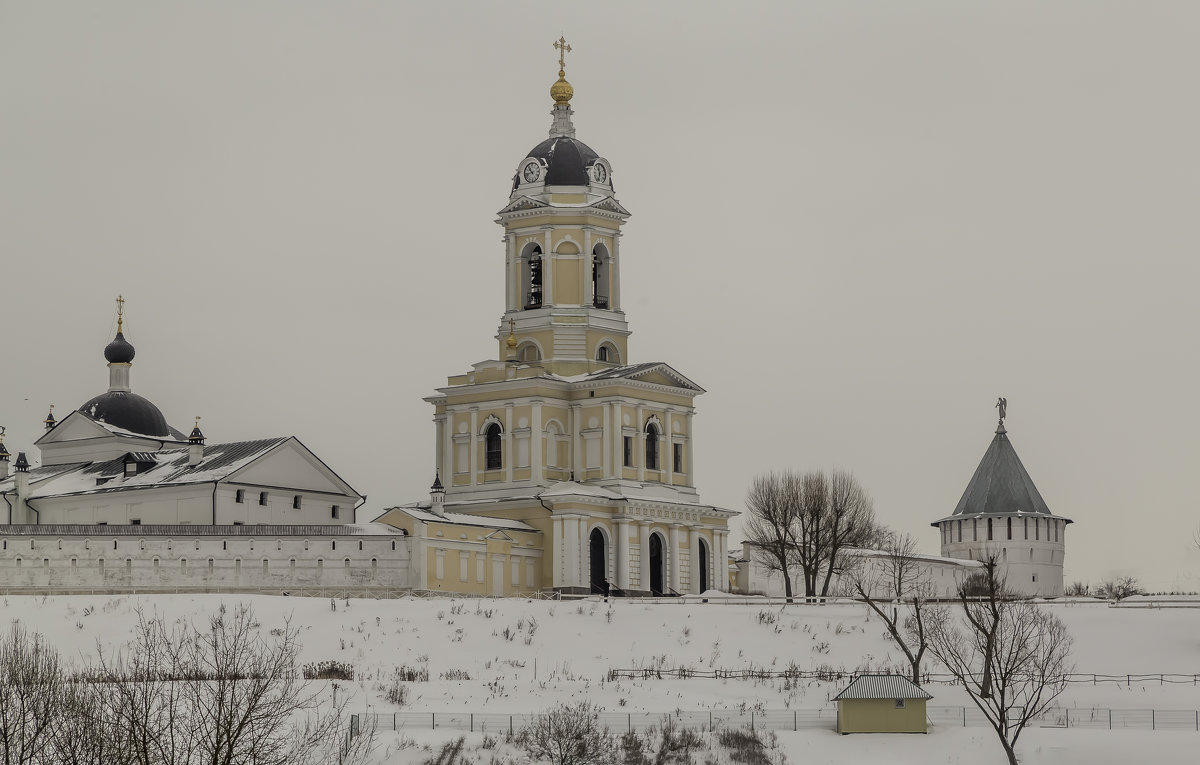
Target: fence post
column 629, row 722
column 393, row 721
column 510, row 725
column 1110, row 718
column 472, row 722
column 752, row 721
column 1152, row 725
column 795, row 719
column 964, row 709
column 433, row 720
column 710, row 721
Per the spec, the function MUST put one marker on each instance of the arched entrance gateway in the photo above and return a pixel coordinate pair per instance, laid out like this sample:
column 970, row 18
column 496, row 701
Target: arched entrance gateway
column 703, row 566
column 656, row 564
column 599, row 561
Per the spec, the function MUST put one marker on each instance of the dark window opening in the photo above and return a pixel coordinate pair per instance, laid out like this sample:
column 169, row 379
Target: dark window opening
column 240, row 496
column 602, row 353
column 135, row 521
column 1010, row 528
column 652, row 447
column 678, row 458
column 533, row 294
column 628, row 455
column 492, row 452
column 296, row 500
column 989, row 529
column 262, row 498
column 334, row 511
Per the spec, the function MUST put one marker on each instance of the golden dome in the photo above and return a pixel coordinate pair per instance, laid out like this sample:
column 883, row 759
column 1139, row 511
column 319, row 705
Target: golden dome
column 561, row 91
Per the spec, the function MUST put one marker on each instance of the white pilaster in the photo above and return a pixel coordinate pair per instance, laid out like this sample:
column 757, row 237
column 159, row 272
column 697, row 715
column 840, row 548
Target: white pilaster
column 577, row 454
column 667, row 458
column 639, row 443
column 558, row 579
column 510, row 453
column 618, row 442
column 622, row 553
column 644, row 550
column 547, row 272
column 673, row 557
column 689, row 467
column 536, row 442
column 439, row 452
column 473, row 458
column 606, row 443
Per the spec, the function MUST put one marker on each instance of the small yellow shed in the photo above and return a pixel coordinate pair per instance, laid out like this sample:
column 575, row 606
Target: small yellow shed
column 881, row 704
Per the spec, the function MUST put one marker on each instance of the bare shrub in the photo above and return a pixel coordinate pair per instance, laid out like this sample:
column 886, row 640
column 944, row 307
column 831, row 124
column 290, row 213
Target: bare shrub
column 1079, row 590
column 744, row 746
column 675, row 744
column 329, row 669
column 569, row 735
column 1119, row 588
column 31, row 693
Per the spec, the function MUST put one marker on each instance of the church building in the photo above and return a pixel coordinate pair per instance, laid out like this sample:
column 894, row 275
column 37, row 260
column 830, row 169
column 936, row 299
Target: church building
column 1002, row 514
column 122, row 501
column 565, row 463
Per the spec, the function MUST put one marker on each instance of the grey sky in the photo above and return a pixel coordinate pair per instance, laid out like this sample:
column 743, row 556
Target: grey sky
column 880, row 215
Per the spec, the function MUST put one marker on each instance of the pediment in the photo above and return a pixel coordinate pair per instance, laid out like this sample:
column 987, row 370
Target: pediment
column 292, row 466
column 610, row 204
column 523, row 203
column 660, row 374
column 500, row 535
column 74, row 427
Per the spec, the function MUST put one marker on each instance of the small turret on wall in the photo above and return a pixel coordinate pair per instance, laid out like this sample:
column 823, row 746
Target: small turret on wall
column 21, row 511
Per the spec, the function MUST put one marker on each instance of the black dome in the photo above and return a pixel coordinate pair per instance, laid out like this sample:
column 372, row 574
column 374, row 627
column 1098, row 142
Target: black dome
column 119, row 351
column 566, row 159
column 128, row 411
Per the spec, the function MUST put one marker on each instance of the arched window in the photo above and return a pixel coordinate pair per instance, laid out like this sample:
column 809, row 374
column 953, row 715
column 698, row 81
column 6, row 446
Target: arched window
column 600, row 276
column 532, row 273
column 491, row 447
column 607, row 352
column 652, row 445
column 528, row 352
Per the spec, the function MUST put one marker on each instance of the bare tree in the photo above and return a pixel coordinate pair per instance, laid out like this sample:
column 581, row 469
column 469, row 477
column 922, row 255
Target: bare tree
column 848, row 521
column 31, row 691
column 894, row 581
column 1010, row 656
column 773, row 506
column 569, row 735
column 808, row 522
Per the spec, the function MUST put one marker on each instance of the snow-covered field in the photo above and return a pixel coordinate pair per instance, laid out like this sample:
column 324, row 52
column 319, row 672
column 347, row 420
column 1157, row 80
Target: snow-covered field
column 526, row 656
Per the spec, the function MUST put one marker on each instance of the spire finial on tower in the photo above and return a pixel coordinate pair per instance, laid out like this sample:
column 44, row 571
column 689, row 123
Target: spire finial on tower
column 50, row 422
column 1002, row 406
column 196, row 436
column 561, row 91
column 120, row 312
column 511, row 342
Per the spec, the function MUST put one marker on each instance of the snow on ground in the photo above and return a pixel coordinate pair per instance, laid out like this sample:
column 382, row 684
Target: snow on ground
column 528, row 655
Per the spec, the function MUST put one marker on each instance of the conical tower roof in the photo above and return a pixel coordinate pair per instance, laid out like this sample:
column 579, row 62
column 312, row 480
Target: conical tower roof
column 1001, row 485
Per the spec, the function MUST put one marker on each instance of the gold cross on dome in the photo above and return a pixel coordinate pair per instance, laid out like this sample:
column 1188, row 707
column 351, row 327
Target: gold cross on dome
column 563, row 49
column 120, row 311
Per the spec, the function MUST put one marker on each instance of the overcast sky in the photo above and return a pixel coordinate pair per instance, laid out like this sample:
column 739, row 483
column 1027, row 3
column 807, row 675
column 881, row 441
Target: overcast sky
column 855, row 224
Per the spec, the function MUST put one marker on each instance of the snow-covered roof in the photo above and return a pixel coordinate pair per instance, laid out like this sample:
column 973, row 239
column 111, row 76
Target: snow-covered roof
column 918, row 557
column 170, row 468
column 425, row 515
column 199, row 530
column 882, row 687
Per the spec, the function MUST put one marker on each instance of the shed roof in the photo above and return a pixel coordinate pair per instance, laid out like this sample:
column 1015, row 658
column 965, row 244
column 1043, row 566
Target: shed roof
column 882, row 687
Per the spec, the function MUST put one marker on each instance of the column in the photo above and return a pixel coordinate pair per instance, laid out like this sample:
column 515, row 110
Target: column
column 694, row 558
column 439, row 426
column 588, row 287
column 577, row 454
column 547, row 271
column 667, row 458
column 722, row 562
column 615, row 288
column 606, row 442
column 673, row 557
column 689, row 467
column 510, row 452
column 622, row 551
column 536, row 441
column 556, row 578
column 639, row 443
column 472, row 459
column 618, row 438
column 572, row 544
column 514, row 273
column 644, row 551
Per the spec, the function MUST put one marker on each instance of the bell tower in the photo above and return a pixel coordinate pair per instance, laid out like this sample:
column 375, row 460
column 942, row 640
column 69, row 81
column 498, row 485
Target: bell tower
column 562, row 229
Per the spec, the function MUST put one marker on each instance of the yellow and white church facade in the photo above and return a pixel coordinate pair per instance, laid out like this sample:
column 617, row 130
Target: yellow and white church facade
column 565, row 464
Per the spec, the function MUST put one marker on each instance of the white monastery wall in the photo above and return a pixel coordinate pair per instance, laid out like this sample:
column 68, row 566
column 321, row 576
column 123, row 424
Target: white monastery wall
column 152, row 561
